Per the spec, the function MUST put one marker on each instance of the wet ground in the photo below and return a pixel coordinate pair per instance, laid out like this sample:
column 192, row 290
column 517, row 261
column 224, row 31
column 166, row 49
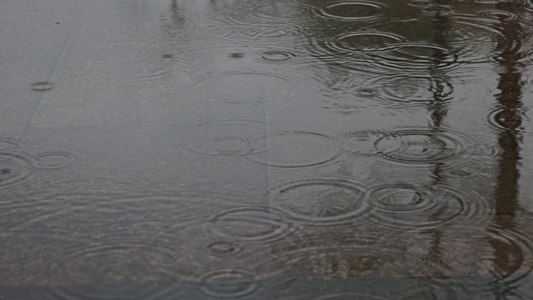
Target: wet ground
column 293, row 149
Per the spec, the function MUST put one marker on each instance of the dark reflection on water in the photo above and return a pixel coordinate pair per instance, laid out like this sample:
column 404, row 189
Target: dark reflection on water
column 245, row 149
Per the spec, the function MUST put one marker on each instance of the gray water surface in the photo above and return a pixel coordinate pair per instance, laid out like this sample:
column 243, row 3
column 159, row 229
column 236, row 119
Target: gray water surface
column 285, row 149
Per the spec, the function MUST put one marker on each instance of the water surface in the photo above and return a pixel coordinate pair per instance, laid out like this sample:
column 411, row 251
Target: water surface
column 245, row 149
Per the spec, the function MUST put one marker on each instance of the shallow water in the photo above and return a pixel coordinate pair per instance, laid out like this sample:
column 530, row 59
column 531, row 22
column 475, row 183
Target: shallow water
column 295, row 149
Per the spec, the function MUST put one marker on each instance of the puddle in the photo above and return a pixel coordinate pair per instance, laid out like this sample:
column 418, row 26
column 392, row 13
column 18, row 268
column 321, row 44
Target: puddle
column 266, row 150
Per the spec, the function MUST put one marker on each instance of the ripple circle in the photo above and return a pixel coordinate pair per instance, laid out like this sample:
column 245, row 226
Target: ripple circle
column 353, row 10
column 222, row 248
column 438, row 10
column 416, row 206
column 226, row 138
column 421, row 145
column 413, row 88
column 13, row 168
column 250, row 224
column 277, row 55
column 295, row 149
column 229, row 283
column 514, row 252
column 411, row 55
column 364, row 40
column 505, row 119
column 322, row 200
column 360, row 142
column 53, row 160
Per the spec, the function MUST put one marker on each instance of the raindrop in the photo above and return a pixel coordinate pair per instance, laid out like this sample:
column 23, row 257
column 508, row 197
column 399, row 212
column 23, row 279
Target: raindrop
column 223, row 248
column 277, row 55
column 416, row 206
column 366, row 92
column 322, row 200
column 504, row 119
column 237, row 55
column 230, row 283
column 416, row 88
column 438, row 10
column 41, row 86
column 250, row 224
column 353, row 10
column 295, row 149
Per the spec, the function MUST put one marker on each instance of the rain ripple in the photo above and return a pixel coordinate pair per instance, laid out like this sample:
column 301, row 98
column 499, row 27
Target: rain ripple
column 18, row 161
column 223, row 248
column 353, row 10
column 438, row 10
column 122, row 260
column 418, row 146
column 254, row 224
column 503, row 118
column 412, row 145
column 418, row 56
column 325, row 200
column 474, row 38
column 278, row 55
column 512, row 258
column 403, row 89
column 353, row 48
column 230, row 283
column 420, row 207
column 295, row 149
column 226, row 138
